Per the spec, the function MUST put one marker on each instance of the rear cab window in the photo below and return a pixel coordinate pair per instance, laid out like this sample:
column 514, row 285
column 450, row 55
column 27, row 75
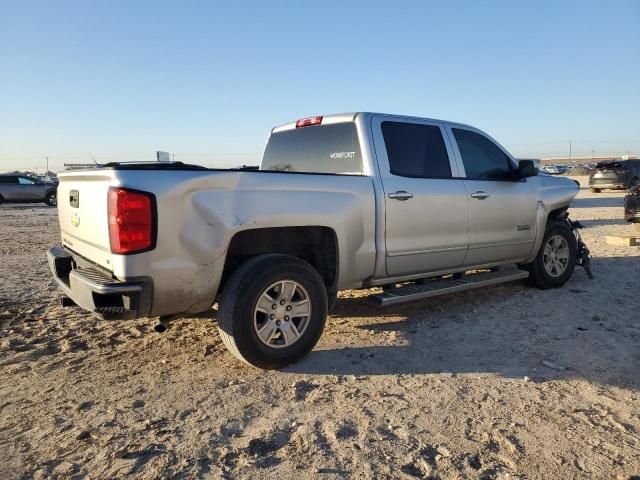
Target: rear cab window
column 332, row 148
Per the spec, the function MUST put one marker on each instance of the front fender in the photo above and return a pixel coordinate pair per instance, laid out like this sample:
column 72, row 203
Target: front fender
column 554, row 195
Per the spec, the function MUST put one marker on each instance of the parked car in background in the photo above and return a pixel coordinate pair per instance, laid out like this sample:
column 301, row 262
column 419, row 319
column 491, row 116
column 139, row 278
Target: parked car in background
column 26, row 189
column 551, row 170
column 632, row 206
column 615, row 174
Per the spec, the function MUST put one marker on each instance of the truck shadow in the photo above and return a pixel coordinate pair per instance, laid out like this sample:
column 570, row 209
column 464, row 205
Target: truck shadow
column 509, row 330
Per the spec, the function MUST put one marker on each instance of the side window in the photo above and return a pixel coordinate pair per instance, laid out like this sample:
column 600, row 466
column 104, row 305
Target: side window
column 8, row 179
column 25, row 181
column 482, row 158
column 416, row 150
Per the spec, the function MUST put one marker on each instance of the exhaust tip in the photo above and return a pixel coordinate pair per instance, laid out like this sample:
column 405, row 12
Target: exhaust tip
column 159, row 328
column 161, row 325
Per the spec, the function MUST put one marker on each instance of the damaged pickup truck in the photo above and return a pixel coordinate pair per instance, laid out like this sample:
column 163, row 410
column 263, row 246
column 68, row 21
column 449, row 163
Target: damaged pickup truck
column 420, row 207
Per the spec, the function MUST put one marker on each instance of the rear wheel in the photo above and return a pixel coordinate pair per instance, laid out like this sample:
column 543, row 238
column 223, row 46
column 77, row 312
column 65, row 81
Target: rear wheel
column 272, row 310
column 556, row 258
column 595, row 190
column 51, row 199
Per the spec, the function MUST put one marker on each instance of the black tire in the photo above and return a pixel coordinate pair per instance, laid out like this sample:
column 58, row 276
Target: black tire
column 538, row 275
column 239, row 299
column 595, row 190
column 51, row 199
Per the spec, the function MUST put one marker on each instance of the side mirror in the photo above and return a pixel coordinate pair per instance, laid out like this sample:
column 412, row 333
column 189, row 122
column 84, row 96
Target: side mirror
column 526, row 169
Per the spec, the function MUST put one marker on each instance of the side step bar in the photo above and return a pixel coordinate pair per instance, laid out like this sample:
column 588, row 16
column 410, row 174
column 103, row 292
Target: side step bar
column 442, row 286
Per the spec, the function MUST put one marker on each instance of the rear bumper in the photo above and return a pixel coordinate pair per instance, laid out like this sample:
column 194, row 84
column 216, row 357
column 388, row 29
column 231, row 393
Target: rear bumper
column 609, row 185
column 96, row 291
column 607, row 182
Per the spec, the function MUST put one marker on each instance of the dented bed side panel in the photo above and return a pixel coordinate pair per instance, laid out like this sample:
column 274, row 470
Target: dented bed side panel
column 200, row 212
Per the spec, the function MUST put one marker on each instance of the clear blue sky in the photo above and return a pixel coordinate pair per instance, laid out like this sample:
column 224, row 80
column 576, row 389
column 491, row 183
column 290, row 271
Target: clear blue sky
column 207, row 80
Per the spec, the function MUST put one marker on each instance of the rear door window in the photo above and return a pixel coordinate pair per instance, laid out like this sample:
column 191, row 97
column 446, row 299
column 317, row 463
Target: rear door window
column 332, row 148
column 482, row 159
column 416, row 150
column 8, row 180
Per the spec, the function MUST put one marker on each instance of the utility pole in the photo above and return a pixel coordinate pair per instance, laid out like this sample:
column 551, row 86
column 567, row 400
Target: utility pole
column 47, row 171
column 569, row 150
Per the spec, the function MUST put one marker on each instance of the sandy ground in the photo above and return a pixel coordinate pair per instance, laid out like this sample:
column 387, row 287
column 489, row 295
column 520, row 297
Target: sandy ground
column 449, row 388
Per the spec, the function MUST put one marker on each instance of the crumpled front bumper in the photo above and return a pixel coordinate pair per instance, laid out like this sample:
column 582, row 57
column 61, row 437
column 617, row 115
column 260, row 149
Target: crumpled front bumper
column 96, row 291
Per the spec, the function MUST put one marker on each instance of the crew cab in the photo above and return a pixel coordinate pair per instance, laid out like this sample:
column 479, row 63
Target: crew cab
column 344, row 201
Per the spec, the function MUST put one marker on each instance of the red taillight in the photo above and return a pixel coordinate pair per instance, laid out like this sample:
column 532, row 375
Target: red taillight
column 131, row 221
column 307, row 122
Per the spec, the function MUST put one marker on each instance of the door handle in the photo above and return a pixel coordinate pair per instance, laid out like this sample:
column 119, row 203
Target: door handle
column 400, row 195
column 480, row 195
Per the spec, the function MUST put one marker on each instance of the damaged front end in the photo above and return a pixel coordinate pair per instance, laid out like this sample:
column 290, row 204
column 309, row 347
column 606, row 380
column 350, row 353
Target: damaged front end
column 583, row 255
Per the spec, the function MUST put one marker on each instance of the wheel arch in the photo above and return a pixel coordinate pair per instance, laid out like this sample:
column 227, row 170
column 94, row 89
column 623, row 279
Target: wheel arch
column 317, row 245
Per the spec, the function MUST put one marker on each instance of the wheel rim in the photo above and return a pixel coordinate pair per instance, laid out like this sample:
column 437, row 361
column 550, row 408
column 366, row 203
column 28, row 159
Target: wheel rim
column 52, row 199
column 282, row 314
column 556, row 255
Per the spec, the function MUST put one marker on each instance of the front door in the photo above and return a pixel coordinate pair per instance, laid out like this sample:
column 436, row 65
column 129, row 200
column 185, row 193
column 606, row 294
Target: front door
column 502, row 209
column 426, row 209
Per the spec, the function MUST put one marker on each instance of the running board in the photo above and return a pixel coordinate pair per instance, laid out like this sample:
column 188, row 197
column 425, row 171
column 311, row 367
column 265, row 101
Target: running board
column 442, row 286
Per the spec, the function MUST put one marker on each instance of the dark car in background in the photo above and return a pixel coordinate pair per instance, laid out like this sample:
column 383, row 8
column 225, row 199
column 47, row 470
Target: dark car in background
column 16, row 188
column 632, row 206
column 615, row 174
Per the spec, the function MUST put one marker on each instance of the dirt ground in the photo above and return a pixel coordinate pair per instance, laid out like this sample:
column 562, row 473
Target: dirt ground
column 449, row 388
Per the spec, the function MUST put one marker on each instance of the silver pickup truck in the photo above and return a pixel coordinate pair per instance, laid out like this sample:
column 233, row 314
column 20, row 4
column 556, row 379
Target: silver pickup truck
column 419, row 207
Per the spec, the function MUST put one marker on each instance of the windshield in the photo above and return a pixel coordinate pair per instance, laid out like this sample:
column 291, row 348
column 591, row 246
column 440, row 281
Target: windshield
column 330, row 148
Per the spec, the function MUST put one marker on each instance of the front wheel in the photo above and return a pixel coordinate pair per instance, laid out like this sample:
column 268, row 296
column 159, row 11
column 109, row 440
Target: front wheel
column 556, row 258
column 51, row 199
column 272, row 310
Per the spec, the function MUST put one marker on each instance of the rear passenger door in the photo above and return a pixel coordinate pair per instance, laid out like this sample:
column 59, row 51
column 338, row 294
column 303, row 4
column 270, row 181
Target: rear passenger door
column 9, row 188
column 502, row 208
column 426, row 209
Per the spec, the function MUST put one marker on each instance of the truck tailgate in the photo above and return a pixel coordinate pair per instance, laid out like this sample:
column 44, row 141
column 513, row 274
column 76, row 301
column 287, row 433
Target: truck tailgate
column 82, row 211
